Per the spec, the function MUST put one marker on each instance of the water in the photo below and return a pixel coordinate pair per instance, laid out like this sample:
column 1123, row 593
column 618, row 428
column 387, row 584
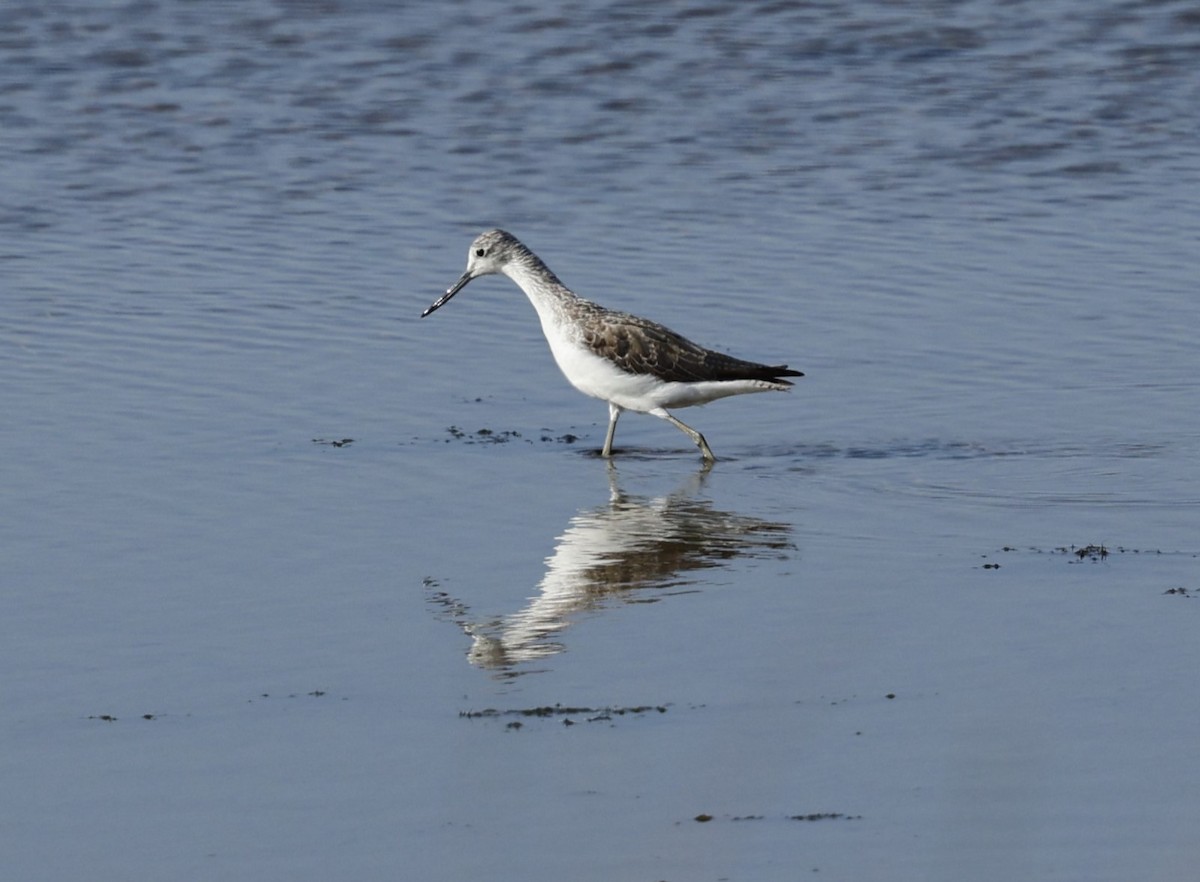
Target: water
column 972, row 225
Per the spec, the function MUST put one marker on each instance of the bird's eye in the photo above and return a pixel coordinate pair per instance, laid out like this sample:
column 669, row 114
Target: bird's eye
column 479, row 252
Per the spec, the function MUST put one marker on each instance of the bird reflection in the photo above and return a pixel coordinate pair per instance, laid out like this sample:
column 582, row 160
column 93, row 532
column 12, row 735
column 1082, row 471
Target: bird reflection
column 614, row 553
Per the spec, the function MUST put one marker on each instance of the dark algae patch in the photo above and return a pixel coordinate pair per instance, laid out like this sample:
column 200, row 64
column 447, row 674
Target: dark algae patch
column 1079, row 553
column 1092, row 553
column 113, row 718
column 705, row 817
column 483, row 436
column 1088, row 552
column 488, row 435
column 568, row 715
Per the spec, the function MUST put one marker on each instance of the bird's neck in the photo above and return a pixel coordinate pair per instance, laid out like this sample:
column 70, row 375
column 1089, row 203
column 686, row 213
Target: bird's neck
column 542, row 287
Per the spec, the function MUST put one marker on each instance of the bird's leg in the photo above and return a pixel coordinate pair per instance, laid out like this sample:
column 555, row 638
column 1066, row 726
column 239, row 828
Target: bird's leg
column 696, row 437
column 613, row 413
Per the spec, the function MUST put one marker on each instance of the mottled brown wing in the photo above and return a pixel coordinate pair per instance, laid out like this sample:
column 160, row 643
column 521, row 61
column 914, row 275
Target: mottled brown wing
column 640, row 346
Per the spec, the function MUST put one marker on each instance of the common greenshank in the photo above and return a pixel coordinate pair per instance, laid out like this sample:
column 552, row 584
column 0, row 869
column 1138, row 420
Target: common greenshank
column 628, row 361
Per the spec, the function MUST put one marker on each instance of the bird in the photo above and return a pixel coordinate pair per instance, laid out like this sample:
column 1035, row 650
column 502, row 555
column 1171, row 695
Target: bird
column 628, row 361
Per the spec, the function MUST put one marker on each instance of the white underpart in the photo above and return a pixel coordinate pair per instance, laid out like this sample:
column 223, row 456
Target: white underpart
column 594, row 375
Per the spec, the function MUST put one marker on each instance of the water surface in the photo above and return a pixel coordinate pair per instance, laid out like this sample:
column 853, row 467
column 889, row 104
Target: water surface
column 862, row 643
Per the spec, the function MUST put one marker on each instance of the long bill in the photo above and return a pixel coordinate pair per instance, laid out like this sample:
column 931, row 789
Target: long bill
column 450, row 292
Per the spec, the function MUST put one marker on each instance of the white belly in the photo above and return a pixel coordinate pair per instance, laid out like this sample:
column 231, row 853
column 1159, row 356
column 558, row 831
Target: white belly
column 600, row 378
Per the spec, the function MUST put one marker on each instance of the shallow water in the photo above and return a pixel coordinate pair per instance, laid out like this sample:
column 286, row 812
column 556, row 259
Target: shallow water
column 862, row 642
